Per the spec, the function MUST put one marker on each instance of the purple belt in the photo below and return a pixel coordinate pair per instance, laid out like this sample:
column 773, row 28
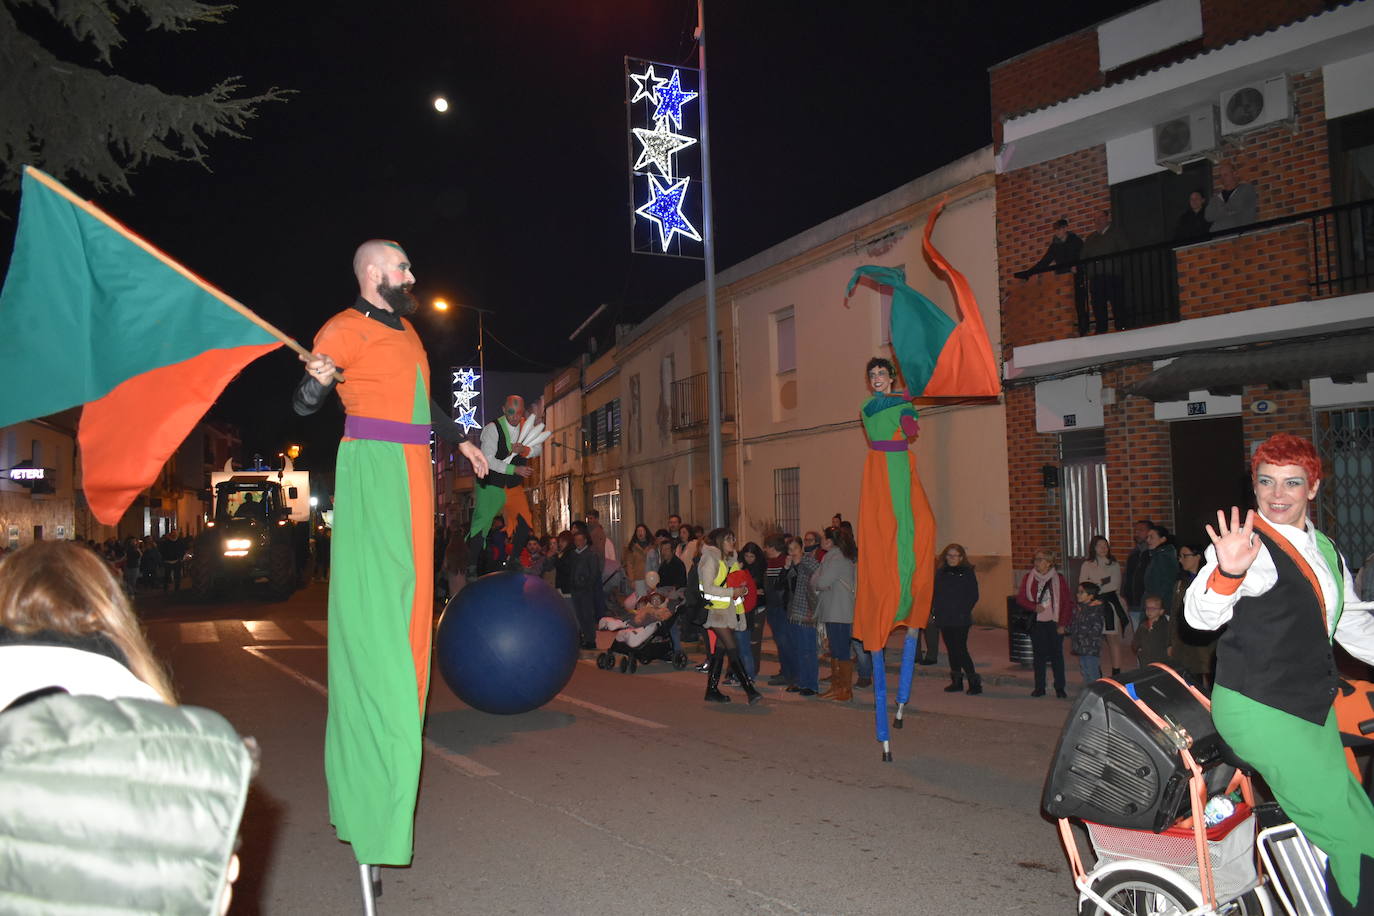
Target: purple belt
column 888, row 445
column 386, row 430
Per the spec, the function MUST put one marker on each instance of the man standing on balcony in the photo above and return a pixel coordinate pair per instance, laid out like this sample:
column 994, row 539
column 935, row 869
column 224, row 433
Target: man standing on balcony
column 1065, row 249
column 1105, row 286
column 1235, row 203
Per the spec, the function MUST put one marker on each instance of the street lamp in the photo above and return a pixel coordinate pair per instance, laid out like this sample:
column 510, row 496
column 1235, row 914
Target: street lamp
column 440, row 305
column 293, row 452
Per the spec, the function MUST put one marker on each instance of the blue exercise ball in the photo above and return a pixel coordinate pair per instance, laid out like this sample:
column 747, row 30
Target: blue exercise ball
column 507, row 643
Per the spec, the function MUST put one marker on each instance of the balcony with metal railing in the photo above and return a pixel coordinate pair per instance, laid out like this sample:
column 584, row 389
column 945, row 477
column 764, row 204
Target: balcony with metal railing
column 1314, row 255
column 691, row 404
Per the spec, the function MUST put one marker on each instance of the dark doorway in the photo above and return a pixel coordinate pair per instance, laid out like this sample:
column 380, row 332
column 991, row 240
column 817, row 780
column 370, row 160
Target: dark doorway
column 1211, row 472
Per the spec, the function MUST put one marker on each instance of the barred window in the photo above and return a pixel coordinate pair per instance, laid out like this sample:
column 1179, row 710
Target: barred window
column 787, row 499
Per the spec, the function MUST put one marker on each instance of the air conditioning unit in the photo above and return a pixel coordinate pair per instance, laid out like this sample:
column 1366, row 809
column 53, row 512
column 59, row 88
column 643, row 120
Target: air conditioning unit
column 1186, row 138
column 1255, row 105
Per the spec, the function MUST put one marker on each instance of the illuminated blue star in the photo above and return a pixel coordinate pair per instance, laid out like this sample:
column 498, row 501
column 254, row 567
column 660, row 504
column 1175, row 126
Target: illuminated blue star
column 468, row 420
column 659, row 146
column 466, row 377
column 464, row 398
column 671, row 98
column 665, row 209
column 643, row 91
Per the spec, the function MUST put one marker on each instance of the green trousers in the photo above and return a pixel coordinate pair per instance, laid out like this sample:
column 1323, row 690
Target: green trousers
column 1304, row 765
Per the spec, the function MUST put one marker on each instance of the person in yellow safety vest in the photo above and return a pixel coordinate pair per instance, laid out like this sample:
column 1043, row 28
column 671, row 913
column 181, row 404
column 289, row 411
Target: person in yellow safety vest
column 725, row 613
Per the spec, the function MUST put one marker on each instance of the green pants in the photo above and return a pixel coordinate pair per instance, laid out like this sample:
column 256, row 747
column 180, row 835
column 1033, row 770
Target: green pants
column 1304, row 765
column 487, row 503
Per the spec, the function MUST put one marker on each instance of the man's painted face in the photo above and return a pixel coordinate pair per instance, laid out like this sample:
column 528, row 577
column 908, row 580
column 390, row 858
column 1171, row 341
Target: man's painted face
column 1283, row 493
column 879, row 379
column 514, row 409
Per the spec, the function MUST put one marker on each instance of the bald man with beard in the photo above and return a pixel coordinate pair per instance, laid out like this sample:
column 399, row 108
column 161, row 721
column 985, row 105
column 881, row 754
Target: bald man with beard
column 381, row 592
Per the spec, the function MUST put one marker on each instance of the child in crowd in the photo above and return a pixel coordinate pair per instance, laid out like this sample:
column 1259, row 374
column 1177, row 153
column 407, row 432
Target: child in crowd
column 1151, row 642
column 1085, row 631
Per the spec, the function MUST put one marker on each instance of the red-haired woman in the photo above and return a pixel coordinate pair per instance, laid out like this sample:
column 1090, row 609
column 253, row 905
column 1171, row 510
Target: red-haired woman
column 1287, row 593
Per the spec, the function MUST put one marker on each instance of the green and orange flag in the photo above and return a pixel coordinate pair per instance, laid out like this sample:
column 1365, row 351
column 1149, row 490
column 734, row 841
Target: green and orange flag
column 94, row 315
column 940, row 357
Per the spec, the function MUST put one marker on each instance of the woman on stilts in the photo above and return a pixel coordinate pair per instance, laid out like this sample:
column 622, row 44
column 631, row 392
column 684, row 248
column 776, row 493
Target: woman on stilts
column 940, row 356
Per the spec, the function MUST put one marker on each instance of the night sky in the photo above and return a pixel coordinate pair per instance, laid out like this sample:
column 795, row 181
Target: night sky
column 516, row 200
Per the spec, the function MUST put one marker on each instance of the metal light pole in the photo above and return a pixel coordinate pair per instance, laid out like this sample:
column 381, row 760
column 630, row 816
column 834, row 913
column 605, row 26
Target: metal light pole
column 709, row 250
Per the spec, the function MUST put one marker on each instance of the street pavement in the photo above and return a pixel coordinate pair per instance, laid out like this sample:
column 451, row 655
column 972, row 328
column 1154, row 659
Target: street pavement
column 628, row 794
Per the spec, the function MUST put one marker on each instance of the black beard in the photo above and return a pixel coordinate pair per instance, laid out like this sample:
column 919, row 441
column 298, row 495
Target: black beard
column 400, row 299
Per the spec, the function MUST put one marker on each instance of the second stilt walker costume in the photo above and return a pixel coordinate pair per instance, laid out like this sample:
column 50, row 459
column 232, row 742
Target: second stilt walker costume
column 939, row 357
column 381, row 600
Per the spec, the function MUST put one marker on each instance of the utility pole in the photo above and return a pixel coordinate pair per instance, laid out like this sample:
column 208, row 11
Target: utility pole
column 708, row 239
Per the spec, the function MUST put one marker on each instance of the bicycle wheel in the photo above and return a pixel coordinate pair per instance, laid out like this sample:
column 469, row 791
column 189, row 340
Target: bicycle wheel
column 1140, row 893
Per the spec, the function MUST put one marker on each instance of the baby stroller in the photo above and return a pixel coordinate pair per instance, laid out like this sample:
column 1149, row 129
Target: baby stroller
column 1169, row 814
column 640, row 645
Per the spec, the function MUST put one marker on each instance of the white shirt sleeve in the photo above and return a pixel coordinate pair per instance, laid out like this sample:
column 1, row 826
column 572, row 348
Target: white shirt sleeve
column 1208, row 610
column 1355, row 629
column 489, row 441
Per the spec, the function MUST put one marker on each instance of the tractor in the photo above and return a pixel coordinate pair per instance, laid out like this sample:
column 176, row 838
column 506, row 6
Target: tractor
column 249, row 542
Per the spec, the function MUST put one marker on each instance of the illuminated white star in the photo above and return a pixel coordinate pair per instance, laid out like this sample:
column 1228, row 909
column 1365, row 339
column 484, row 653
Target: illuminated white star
column 670, row 100
column 643, row 91
column 659, row 146
column 466, row 377
column 464, row 398
column 468, row 420
column 665, row 209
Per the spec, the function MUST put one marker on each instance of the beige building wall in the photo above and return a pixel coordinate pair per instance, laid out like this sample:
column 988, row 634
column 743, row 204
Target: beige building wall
column 807, row 418
column 658, row 463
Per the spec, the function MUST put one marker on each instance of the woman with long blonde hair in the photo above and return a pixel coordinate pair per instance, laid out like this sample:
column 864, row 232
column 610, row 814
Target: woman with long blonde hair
column 65, row 621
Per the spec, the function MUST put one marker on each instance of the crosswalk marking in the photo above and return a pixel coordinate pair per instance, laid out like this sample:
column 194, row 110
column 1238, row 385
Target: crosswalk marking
column 319, row 626
column 199, row 632
column 612, row 713
column 266, row 630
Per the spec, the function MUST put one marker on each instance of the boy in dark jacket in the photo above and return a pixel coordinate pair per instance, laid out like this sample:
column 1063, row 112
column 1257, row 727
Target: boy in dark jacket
column 1151, row 642
column 1085, row 631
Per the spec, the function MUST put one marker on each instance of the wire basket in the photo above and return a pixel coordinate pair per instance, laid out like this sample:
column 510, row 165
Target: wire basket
column 1230, row 846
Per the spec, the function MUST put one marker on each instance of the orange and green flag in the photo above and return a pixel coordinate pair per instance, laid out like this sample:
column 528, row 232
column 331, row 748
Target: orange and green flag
column 95, row 315
column 940, row 356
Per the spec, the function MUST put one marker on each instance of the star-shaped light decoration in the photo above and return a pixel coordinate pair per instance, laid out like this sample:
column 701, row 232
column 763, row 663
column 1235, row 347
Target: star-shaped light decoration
column 665, row 209
column 468, row 420
column 659, row 146
column 464, row 398
column 643, row 89
column 466, row 377
column 671, row 98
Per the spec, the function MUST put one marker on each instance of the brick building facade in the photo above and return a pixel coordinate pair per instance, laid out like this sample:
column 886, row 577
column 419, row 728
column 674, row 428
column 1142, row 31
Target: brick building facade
column 1267, row 325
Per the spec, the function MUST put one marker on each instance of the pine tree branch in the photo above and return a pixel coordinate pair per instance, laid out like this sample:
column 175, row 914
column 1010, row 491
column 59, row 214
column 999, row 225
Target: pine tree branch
column 72, row 120
column 97, row 21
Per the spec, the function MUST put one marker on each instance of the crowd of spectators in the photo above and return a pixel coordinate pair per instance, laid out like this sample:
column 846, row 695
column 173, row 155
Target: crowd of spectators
column 800, row 588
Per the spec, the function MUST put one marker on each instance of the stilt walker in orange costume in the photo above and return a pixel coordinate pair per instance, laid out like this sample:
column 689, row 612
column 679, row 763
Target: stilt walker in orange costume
column 381, row 591
column 939, row 358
